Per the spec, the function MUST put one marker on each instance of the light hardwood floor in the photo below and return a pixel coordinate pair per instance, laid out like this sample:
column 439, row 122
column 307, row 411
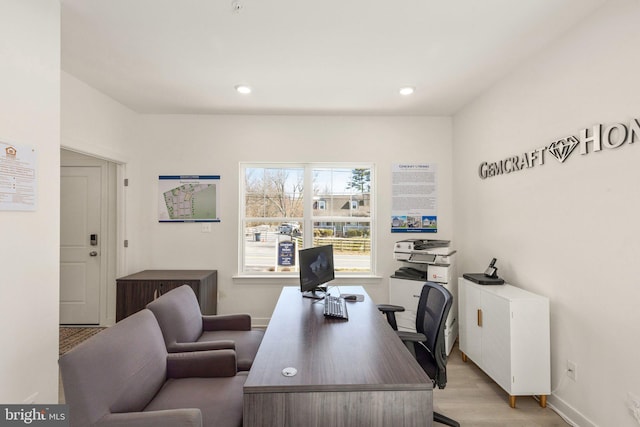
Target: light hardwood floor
column 474, row 400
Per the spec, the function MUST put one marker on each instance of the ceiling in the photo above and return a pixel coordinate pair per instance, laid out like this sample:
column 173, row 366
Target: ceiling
column 302, row 57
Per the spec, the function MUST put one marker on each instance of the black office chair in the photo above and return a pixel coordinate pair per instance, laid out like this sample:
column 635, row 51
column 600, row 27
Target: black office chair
column 427, row 344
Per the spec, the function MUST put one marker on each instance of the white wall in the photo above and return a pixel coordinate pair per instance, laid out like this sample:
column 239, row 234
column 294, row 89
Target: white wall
column 197, row 144
column 93, row 123
column 29, row 241
column 97, row 125
column 216, row 144
column 568, row 231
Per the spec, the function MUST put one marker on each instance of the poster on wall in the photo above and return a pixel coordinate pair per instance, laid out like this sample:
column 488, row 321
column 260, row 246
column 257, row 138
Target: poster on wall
column 188, row 198
column 414, row 198
column 17, row 177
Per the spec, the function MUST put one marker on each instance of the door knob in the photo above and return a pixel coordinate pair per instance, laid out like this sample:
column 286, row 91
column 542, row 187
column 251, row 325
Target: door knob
column 93, row 253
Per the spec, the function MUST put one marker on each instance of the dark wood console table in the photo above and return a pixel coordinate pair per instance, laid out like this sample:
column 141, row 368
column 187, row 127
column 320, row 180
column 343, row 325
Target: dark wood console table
column 354, row 373
column 135, row 291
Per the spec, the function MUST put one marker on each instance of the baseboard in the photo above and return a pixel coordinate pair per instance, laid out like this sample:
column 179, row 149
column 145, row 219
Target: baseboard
column 568, row 412
column 260, row 322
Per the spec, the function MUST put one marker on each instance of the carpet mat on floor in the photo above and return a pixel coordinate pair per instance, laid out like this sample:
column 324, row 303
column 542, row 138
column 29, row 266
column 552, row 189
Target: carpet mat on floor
column 72, row 336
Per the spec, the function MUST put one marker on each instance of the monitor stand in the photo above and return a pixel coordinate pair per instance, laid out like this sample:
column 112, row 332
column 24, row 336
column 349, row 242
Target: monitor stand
column 314, row 293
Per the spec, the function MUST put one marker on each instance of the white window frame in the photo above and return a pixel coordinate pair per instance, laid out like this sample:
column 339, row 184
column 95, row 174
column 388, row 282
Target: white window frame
column 308, row 218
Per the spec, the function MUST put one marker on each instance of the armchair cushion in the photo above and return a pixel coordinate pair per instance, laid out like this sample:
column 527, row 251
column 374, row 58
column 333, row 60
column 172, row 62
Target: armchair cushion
column 219, row 399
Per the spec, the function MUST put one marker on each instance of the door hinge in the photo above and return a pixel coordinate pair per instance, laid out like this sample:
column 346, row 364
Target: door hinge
column 126, row 182
column 126, row 243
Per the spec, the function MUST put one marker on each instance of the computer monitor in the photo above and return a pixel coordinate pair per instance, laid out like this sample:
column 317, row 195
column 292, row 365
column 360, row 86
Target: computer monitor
column 316, row 269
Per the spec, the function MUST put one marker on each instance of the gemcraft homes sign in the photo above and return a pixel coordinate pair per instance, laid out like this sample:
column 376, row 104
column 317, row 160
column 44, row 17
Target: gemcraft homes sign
column 590, row 140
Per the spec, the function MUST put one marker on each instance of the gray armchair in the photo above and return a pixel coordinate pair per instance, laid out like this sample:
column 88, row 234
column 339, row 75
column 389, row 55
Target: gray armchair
column 185, row 329
column 123, row 376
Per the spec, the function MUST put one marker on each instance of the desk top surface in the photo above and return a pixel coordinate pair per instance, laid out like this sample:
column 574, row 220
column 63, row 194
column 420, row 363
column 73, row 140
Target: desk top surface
column 169, row 275
column 362, row 353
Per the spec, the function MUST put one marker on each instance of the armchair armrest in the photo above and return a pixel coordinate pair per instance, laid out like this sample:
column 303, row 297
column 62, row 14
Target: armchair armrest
column 227, row 322
column 190, row 417
column 179, row 347
column 204, row 364
column 390, row 310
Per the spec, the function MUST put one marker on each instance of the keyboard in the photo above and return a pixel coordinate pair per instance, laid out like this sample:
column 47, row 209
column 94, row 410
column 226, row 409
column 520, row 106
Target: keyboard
column 335, row 307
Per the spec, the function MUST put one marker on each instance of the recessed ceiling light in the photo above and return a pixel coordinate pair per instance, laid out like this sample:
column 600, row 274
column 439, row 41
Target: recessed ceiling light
column 407, row 90
column 243, row 89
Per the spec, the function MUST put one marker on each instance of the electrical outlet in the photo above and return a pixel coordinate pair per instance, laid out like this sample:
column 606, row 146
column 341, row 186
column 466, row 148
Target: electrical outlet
column 572, row 370
column 206, row 227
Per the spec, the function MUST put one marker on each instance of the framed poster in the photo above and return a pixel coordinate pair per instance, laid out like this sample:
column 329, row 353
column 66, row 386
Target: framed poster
column 414, row 198
column 188, row 198
column 18, row 185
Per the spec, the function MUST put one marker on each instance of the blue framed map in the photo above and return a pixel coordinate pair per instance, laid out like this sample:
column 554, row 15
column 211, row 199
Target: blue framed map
column 188, row 198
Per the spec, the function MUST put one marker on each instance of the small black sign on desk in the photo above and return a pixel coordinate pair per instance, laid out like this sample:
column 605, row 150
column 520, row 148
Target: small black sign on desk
column 286, row 254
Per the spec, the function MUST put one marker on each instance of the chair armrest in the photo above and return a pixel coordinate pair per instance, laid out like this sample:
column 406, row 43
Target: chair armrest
column 390, row 311
column 227, row 322
column 385, row 308
column 203, row 364
column 191, row 417
column 179, row 347
column 411, row 336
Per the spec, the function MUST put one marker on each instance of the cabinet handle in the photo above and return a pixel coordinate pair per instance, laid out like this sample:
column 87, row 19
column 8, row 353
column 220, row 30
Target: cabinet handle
column 480, row 317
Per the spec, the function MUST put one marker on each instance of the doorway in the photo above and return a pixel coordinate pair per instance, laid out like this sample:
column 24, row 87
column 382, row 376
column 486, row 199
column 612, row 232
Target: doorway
column 87, row 239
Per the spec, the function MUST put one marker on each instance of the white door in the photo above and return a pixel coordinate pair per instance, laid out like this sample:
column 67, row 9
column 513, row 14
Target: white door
column 80, row 242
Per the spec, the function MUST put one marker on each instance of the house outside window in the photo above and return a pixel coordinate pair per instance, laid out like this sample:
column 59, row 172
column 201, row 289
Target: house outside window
column 288, row 207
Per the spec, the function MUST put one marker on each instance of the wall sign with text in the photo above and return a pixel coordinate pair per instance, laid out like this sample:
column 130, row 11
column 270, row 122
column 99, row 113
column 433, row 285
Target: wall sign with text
column 591, row 140
column 18, row 185
column 414, row 198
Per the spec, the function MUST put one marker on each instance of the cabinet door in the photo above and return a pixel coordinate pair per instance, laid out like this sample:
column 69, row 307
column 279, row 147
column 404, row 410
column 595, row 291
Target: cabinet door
column 133, row 296
column 496, row 338
column 470, row 331
column 165, row 286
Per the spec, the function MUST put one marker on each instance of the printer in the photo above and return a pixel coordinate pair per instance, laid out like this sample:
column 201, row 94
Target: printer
column 423, row 251
column 423, row 260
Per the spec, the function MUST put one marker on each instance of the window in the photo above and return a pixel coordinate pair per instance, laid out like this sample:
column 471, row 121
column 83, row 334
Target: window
column 287, row 207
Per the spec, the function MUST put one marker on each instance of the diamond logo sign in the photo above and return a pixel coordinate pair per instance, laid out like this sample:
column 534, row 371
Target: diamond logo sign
column 562, row 148
column 590, row 140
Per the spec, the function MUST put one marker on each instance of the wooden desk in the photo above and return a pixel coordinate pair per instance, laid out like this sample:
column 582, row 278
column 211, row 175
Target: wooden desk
column 350, row 373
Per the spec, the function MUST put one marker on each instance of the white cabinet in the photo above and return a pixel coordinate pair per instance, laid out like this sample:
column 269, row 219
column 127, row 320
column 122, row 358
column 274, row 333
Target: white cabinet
column 505, row 331
column 406, row 292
